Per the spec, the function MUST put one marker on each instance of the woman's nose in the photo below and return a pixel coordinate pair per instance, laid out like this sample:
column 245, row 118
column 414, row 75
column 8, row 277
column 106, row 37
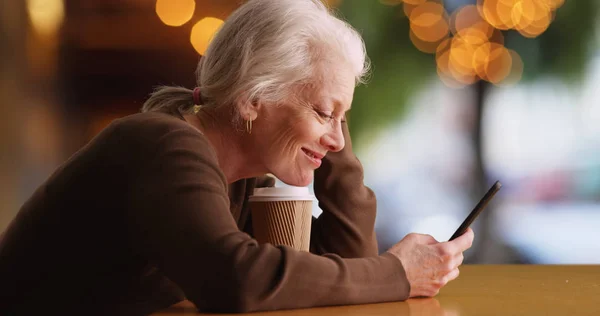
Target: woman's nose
column 334, row 140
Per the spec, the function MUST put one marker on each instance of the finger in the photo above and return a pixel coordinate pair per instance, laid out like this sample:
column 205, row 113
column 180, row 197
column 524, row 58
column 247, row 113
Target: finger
column 463, row 242
column 458, row 259
column 451, row 276
column 453, row 262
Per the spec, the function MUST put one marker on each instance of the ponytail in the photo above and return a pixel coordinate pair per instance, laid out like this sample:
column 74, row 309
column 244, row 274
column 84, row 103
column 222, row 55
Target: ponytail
column 167, row 97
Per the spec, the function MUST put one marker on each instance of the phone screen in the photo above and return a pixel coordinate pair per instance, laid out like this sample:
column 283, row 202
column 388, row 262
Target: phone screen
column 478, row 208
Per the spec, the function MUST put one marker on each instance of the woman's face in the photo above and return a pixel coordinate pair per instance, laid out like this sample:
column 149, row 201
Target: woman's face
column 294, row 136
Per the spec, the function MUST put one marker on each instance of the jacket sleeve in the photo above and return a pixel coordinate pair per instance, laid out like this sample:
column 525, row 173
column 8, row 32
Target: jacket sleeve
column 346, row 226
column 179, row 218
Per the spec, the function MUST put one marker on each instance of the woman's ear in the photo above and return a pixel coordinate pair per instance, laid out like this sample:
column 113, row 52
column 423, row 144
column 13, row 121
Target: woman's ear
column 248, row 109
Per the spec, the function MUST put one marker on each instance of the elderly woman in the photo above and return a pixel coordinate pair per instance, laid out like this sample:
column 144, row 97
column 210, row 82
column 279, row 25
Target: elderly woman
column 153, row 210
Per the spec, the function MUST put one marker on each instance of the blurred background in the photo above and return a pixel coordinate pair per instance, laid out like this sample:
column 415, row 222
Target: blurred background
column 462, row 93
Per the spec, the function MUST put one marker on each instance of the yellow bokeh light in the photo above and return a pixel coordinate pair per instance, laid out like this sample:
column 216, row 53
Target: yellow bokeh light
column 481, row 59
column 410, row 5
column 488, row 9
column 534, row 17
column 476, row 49
column 498, row 64
column 516, row 71
column 425, row 46
column 414, row 2
column 451, row 70
column 429, row 22
column 442, row 58
column 533, row 31
column 46, row 15
column 448, row 80
column 175, row 12
column 505, row 10
column 427, row 14
column 468, row 20
column 442, row 55
column 203, row 33
column 530, row 17
column 408, row 8
column 461, row 61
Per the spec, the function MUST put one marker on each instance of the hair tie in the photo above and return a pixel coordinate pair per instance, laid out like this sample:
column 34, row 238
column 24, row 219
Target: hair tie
column 197, row 96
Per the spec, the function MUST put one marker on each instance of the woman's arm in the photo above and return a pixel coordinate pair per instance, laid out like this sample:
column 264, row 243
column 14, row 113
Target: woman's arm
column 346, row 226
column 179, row 218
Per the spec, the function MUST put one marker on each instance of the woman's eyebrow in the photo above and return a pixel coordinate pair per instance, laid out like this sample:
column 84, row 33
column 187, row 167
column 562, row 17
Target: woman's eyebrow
column 340, row 105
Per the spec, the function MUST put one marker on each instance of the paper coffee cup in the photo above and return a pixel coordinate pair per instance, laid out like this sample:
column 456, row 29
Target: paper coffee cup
column 282, row 216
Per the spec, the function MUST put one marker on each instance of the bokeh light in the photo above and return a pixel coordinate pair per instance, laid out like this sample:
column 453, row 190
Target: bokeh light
column 535, row 18
column 429, row 22
column 498, row 63
column 516, row 71
column 554, row 4
column 443, row 68
column 469, row 44
column 530, row 17
column 203, row 32
column 462, row 52
column 415, row 2
column 46, row 16
column 475, row 52
column 467, row 22
column 425, row 46
column 175, row 12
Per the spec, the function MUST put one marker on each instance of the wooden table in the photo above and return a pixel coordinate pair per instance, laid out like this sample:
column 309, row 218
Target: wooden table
column 481, row 290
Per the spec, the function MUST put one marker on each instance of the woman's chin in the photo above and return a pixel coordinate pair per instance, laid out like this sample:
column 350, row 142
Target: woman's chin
column 298, row 181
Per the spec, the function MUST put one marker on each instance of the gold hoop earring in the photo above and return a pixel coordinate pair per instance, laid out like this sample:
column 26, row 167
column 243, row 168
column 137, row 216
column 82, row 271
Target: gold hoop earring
column 196, row 109
column 249, row 126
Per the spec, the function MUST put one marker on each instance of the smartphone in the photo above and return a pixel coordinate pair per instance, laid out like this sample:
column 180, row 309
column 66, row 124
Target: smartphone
column 478, row 208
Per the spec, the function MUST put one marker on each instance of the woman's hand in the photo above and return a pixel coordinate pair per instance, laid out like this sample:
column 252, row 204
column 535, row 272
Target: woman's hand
column 430, row 264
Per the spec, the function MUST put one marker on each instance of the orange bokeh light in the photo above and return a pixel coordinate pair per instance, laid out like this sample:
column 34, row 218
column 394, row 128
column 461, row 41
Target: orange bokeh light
column 429, row 22
column 498, row 64
column 476, row 48
column 530, row 17
column 460, row 64
column 468, row 19
column 516, row 70
column 425, row 46
column 553, row 4
column 413, row 2
column 448, row 80
column 175, row 12
column 534, row 17
column 203, row 32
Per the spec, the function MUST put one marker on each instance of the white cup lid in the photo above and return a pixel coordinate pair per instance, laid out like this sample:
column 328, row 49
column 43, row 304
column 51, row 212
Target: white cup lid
column 281, row 194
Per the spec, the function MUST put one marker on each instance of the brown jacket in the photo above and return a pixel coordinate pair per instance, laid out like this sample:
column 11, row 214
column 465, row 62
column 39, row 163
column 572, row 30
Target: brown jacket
column 142, row 217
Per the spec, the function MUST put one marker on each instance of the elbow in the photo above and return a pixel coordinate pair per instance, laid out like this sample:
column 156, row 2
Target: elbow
column 247, row 298
column 243, row 305
column 239, row 298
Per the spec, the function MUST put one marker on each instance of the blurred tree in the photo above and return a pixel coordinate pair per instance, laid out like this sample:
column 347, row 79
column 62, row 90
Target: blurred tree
column 562, row 51
column 399, row 69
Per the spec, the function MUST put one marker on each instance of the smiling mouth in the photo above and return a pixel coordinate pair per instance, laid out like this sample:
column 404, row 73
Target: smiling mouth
column 314, row 157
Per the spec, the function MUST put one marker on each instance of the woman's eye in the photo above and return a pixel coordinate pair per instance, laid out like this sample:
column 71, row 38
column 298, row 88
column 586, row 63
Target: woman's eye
column 325, row 115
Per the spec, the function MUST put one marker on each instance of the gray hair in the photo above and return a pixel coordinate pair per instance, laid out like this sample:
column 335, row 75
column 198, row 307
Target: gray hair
column 264, row 50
